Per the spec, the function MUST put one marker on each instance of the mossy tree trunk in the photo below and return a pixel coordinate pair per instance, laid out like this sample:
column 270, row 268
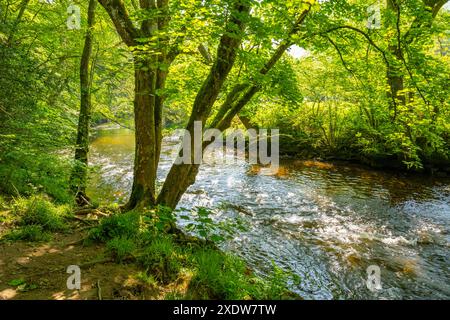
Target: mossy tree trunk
column 182, row 176
column 79, row 173
column 150, row 78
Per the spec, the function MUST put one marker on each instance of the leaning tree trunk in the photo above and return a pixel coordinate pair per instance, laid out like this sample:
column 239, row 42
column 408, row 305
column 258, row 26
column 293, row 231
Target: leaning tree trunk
column 79, row 173
column 181, row 176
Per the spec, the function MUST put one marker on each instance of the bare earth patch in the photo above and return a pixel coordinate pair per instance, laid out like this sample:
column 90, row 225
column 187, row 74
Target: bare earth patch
column 41, row 268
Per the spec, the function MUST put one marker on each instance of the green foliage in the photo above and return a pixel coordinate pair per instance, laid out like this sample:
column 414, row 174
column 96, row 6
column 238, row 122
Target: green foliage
column 121, row 248
column 3, row 203
column 35, row 218
column 125, row 225
column 276, row 284
column 162, row 258
column 147, row 279
column 223, row 276
column 219, row 276
column 27, row 173
column 39, row 211
column 344, row 117
column 32, row 233
column 200, row 223
column 22, row 285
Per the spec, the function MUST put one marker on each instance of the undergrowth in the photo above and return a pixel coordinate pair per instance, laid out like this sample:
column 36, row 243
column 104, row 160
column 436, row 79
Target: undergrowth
column 165, row 257
column 35, row 218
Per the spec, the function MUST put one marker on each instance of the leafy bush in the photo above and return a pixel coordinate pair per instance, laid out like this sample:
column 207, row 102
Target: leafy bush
column 28, row 173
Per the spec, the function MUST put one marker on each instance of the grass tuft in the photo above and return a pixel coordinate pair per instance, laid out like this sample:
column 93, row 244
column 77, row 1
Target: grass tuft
column 38, row 211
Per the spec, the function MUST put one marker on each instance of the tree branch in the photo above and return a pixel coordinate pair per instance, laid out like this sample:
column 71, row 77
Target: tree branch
column 121, row 19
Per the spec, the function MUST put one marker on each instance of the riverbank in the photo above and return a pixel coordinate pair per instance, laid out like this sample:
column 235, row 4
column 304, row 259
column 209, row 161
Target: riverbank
column 121, row 256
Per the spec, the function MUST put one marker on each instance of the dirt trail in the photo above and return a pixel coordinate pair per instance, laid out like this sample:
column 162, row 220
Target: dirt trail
column 42, row 267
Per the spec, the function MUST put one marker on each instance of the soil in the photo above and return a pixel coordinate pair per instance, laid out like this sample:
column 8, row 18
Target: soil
column 37, row 271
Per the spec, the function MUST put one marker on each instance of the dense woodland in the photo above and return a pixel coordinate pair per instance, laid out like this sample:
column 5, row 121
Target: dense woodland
column 360, row 81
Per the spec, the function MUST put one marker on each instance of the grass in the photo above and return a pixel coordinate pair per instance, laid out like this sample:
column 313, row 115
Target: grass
column 39, row 211
column 35, row 218
column 121, row 248
column 164, row 259
column 190, row 268
column 3, row 203
column 219, row 276
column 33, row 233
column 117, row 226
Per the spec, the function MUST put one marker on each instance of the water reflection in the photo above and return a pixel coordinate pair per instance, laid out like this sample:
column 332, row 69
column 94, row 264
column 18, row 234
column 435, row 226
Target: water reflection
column 325, row 222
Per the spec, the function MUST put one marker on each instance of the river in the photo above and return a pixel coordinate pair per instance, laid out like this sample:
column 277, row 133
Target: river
column 326, row 223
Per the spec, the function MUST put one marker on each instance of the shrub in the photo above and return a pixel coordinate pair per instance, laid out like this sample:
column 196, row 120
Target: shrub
column 31, row 172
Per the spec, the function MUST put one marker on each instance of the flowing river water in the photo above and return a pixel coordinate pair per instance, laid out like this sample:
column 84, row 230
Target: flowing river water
column 326, row 223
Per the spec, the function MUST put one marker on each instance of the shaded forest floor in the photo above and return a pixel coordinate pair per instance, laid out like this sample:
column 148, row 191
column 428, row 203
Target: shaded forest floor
column 37, row 271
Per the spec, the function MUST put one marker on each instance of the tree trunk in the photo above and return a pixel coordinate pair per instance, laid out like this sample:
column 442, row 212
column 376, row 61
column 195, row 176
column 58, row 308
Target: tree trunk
column 160, row 98
column 79, row 173
column 143, row 190
column 395, row 79
column 23, row 7
column 395, row 75
column 182, row 176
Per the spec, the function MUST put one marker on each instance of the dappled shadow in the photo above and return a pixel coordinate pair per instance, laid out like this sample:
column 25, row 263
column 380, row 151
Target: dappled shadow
column 38, row 271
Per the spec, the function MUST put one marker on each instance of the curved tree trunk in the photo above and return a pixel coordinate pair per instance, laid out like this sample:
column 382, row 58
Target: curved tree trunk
column 182, row 176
